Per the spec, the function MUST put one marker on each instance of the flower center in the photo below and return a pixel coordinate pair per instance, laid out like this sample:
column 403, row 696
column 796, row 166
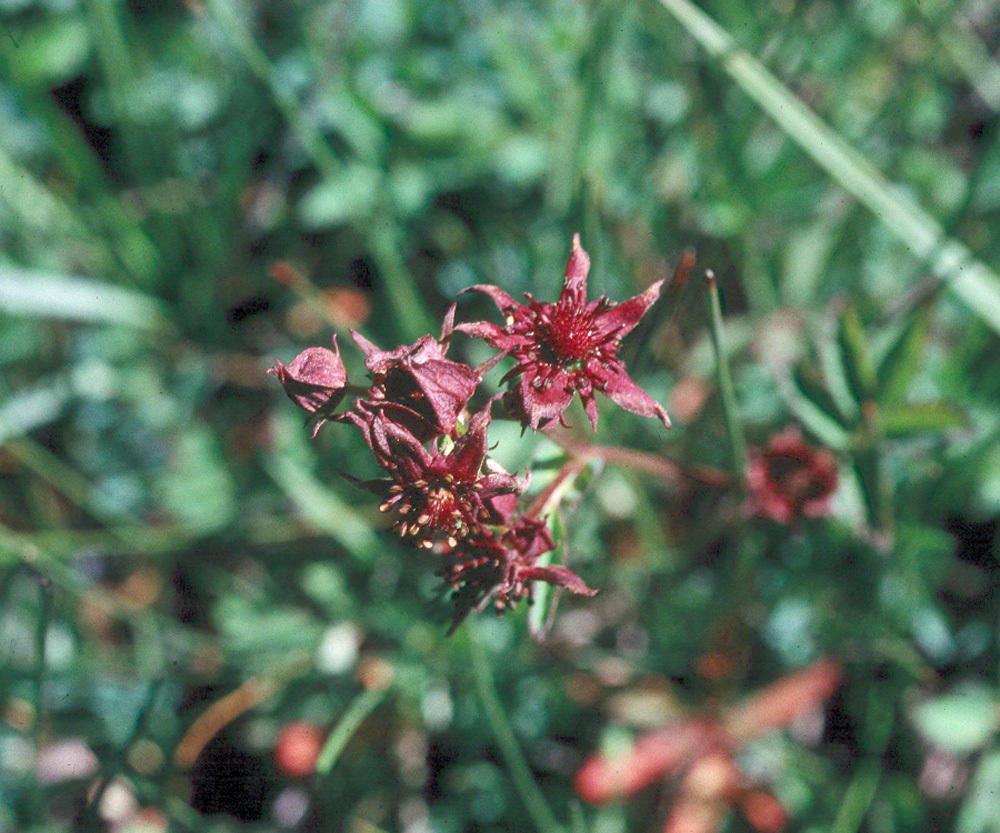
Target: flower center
column 440, row 508
column 567, row 334
column 428, row 510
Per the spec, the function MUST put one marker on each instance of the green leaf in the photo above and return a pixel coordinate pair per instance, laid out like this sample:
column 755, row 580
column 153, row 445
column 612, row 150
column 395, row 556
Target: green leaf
column 320, row 505
column 29, row 409
column 903, row 357
column 903, row 420
column 979, row 809
column 817, row 386
column 839, row 389
column 52, row 51
column 857, row 358
column 254, row 630
column 818, row 418
column 867, row 465
column 960, row 721
column 197, row 486
column 343, row 199
column 806, row 257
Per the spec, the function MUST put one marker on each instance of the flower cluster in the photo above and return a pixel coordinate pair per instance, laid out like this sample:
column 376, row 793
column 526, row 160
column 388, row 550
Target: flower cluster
column 441, row 488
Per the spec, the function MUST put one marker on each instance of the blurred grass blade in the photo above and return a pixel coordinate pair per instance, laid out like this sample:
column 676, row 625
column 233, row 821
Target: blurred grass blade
column 531, row 794
column 30, row 409
column 902, row 420
column 734, row 428
column 949, row 260
column 364, row 704
column 31, row 293
column 853, row 341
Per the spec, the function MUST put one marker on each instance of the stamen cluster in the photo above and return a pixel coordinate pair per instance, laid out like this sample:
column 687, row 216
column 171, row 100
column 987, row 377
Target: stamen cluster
column 441, row 489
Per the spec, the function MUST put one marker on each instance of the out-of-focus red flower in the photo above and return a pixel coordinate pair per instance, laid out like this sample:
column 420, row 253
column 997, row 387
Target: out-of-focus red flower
column 437, row 495
column 502, row 567
column 316, row 381
column 702, row 752
column 790, row 480
column 297, row 749
column 566, row 347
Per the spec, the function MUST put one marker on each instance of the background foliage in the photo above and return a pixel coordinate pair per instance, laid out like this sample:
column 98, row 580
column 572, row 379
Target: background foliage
column 190, row 190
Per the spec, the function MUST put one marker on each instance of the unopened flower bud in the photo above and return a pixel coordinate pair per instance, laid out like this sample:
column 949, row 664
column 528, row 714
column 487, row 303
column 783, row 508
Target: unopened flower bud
column 316, row 379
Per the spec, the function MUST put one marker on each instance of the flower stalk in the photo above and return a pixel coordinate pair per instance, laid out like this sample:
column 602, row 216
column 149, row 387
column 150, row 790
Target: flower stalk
column 734, row 427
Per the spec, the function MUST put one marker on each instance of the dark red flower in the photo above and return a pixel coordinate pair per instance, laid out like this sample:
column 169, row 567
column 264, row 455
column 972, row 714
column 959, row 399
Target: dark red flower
column 437, row 495
column 790, row 480
column 316, row 381
column 567, row 347
column 428, row 390
column 502, row 566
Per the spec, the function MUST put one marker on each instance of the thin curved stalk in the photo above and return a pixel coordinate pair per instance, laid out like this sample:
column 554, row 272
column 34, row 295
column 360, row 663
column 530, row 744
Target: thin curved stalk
column 530, row 793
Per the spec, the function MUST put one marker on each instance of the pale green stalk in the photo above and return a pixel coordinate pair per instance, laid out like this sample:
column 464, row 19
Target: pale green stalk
column 363, row 705
column 734, row 428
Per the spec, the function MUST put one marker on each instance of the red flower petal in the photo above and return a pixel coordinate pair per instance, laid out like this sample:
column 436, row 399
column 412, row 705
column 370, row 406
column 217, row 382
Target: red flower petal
column 653, row 757
column 618, row 386
column 562, row 576
column 779, row 704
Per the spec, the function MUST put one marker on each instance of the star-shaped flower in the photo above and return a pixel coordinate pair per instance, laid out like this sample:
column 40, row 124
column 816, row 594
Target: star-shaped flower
column 566, row 347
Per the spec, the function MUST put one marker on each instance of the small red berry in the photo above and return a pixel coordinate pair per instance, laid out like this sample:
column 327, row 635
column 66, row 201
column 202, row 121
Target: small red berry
column 297, row 748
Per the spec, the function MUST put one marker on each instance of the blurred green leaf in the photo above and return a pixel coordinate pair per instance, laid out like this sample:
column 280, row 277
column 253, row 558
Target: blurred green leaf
column 903, row 420
column 197, row 486
column 805, row 259
column 857, row 355
column 349, row 197
column 839, row 390
column 795, row 391
column 53, row 50
column 979, row 809
column 903, row 357
column 29, row 409
column 318, row 503
column 255, row 629
column 960, row 721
